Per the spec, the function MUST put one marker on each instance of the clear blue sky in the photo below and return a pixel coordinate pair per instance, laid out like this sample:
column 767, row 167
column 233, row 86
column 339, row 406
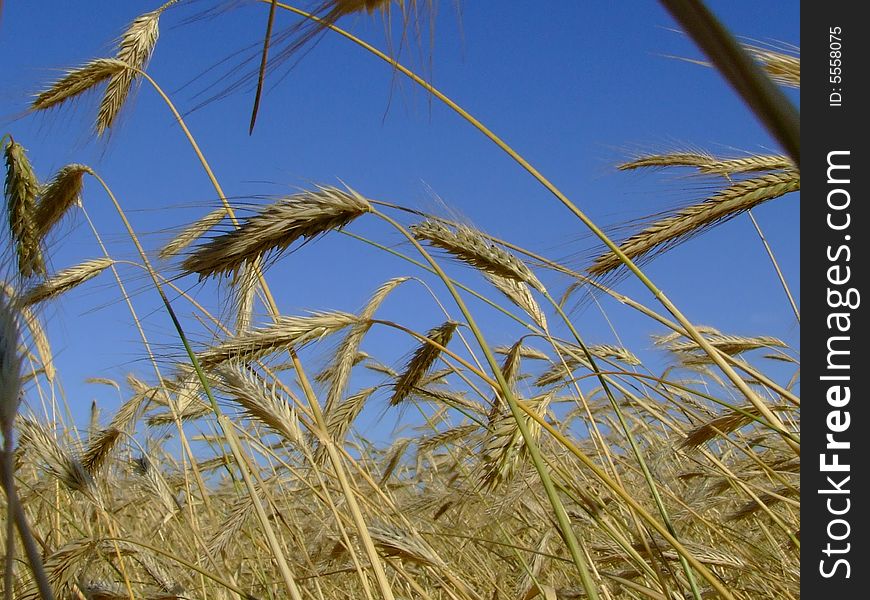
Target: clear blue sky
column 575, row 87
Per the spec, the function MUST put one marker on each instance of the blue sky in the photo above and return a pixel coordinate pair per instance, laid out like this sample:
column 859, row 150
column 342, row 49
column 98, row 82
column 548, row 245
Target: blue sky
column 575, row 88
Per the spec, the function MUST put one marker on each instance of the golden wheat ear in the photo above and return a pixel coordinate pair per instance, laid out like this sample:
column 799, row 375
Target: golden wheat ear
column 76, row 82
column 421, row 361
column 58, row 196
column 274, row 228
column 691, row 220
column 64, row 281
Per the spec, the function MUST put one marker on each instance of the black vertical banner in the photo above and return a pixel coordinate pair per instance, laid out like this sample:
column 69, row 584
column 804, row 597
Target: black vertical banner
column 835, row 226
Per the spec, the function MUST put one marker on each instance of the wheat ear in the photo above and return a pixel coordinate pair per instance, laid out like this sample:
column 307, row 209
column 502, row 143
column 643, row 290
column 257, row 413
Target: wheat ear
column 58, row 196
column 275, row 227
column 134, row 49
column 284, row 333
column 64, row 280
column 421, row 361
column 471, row 247
column 77, row 81
column 21, row 189
column 730, row 202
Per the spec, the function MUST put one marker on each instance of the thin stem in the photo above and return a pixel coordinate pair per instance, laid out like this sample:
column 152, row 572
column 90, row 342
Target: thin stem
column 776, row 268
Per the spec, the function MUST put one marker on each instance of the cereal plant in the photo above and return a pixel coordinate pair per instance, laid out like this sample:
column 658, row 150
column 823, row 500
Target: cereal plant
column 249, row 455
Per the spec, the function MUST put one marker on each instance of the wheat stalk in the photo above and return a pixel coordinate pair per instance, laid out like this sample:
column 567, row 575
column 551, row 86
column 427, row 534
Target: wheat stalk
column 673, row 159
column 244, row 290
column 727, row 204
column 747, row 164
column 504, row 450
column 708, row 164
column 520, row 294
column 348, row 350
column 103, row 442
column 340, row 418
column 37, row 334
column 56, row 460
column 10, row 369
column 722, row 425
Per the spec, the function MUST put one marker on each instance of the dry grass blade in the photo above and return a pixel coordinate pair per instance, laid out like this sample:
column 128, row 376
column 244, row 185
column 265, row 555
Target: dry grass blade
column 284, row 333
column 78, row 81
column 728, row 203
column 21, row 189
column 64, row 281
column 192, row 233
column 722, row 425
column 262, row 402
column 302, row 216
column 134, row 49
column 58, row 196
column 471, row 247
column 421, row 361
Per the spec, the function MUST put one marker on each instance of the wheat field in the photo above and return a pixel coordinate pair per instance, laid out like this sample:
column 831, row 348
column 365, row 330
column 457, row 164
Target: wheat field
column 235, row 465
